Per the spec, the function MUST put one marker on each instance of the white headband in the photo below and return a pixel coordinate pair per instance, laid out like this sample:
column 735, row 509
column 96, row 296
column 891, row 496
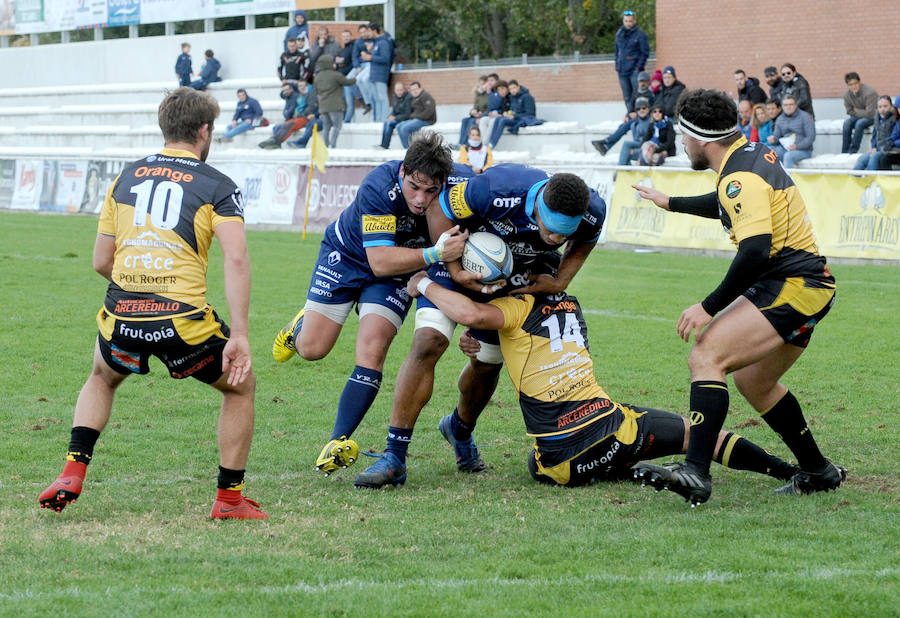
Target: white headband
column 705, row 135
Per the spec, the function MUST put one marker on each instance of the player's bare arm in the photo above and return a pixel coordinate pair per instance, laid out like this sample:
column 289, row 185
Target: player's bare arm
column 459, row 308
column 236, row 361
column 104, row 254
column 574, row 257
column 387, row 261
column 438, row 223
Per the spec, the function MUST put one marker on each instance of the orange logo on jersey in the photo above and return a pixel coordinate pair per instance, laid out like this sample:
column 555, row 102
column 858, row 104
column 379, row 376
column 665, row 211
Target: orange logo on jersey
column 167, row 172
column 566, row 305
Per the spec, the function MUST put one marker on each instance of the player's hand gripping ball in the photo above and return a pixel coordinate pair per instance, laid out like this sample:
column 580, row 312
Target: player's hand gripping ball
column 487, row 255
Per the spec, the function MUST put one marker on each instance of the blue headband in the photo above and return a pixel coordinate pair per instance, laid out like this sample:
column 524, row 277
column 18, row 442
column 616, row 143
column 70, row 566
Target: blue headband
column 556, row 222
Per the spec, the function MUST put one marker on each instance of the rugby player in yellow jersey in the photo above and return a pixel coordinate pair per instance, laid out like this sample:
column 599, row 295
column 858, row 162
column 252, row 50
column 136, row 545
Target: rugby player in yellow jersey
column 580, row 435
column 776, row 290
column 155, row 229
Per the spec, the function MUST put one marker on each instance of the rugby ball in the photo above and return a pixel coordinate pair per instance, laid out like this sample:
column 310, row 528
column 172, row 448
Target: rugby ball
column 488, row 256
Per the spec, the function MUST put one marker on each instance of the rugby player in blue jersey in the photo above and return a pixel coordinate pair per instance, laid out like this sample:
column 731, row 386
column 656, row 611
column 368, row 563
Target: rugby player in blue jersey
column 365, row 259
column 536, row 214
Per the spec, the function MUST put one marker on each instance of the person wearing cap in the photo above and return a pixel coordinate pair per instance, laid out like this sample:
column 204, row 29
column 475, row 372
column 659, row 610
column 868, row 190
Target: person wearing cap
column 775, row 83
column 643, row 90
column 759, row 320
column 638, row 127
column 632, row 48
column 670, row 91
column 535, row 214
column 247, row 115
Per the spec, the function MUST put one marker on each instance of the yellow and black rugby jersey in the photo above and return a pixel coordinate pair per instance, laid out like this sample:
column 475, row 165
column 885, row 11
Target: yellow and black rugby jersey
column 757, row 196
column 163, row 211
column 547, row 355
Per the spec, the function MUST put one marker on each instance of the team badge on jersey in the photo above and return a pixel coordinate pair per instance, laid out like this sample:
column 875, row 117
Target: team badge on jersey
column 733, row 189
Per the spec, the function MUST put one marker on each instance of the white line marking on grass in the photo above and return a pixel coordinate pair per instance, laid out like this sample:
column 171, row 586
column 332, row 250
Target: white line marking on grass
column 40, row 258
column 317, row 588
column 621, row 314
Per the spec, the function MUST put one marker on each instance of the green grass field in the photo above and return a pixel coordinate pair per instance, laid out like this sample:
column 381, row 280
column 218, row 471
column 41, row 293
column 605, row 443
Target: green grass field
column 138, row 541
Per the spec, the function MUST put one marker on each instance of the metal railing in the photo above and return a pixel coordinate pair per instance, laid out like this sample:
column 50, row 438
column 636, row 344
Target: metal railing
column 524, row 59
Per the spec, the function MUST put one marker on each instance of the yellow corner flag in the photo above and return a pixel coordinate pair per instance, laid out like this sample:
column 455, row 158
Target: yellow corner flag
column 318, row 155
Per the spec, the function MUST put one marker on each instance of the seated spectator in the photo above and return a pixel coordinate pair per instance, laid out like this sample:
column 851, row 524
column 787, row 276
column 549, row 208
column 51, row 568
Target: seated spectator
column 796, row 86
column 656, row 82
column 475, row 153
column 498, row 105
column 522, row 113
column 642, row 90
column 745, row 116
column 479, row 107
column 424, row 113
column 860, row 101
column 669, row 93
column 776, row 84
column 183, row 68
column 330, row 88
column 209, row 72
column 748, row 88
column 299, row 29
column 400, row 111
column 247, row 115
column 773, row 111
column 638, row 127
column 794, row 134
column 293, row 63
column 659, row 139
column 885, row 137
column 300, row 107
column 760, row 124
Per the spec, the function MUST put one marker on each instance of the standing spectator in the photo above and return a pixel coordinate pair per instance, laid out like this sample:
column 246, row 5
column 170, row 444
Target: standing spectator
column 794, row 134
column 479, row 107
column 329, row 86
column 300, row 107
column 293, row 63
column 748, row 88
column 632, row 50
column 860, row 101
column 382, row 58
column 324, row 43
column 183, row 68
column 745, row 116
column 776, row 84
column 498, row 105
column 400, row 112
column 247, row 114
column 299, row 29
column 638, row 127
column 424, row 113
column 361, row 65
column 522, row 113
column 760, row 125
column 643, row 90
column 343, row 61
column 209, row 72
column 659, row 139
column 670, row 91
column 885, row 137
column 796, row 86
column 475, row 153
column 188, row 335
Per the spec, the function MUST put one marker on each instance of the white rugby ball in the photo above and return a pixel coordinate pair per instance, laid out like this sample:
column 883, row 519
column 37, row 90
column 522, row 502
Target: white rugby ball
column 487, row 255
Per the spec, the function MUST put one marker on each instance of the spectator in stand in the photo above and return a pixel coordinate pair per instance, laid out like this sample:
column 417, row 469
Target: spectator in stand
column 748, row 88
column 796, row 86
column 643, row 90
column 209, row 72
column 885, row 137
column 183, row 68
column 773, row 111
column 401, row 111
column 361, row 65
column 475, row 153
column 324, row 43
column 659, row 139
column 760, row 125
column 794, row 134
column 306, row 67
column 293, row 63
column 861, row 102
column 479, row 107
column 424, row 113
column 745, row 116
column 498, row 105
column 247, row 115
column 656, row 82
column 522, row 113
column 776, row 84
column 300, row 105
column 638, row 127
column 669, row 93
column 343, row 61
column 382, row 59
column 299, row 29
column 329, row 86
column 632, row 50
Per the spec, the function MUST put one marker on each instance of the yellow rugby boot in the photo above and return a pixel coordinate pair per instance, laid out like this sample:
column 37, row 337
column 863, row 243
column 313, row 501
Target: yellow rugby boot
column 337, row 454
column 283, row 348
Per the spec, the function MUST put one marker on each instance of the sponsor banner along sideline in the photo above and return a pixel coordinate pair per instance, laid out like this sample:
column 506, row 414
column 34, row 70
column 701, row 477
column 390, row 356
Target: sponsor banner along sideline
column 330, row 193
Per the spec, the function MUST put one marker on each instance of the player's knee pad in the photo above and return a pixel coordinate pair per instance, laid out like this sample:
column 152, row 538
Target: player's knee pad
column 335, row 313
column 429, row 317
column 380, row 310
